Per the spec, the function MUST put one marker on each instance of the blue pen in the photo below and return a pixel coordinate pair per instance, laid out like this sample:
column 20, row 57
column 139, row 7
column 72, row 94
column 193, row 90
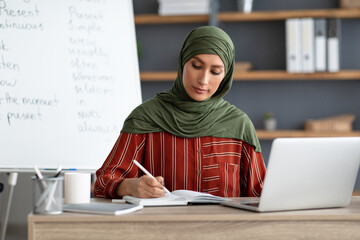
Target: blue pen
column 65, row 169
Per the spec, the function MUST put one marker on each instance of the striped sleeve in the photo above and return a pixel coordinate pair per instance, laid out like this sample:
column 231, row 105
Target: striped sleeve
column 252, row 172
column 118, row 165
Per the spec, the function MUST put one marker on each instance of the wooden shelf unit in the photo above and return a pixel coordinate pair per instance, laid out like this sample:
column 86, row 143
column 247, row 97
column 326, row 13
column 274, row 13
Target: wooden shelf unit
column 282, row 15
column 263, row 75
column 254, row 16
column 270, row 135
column 157, row 19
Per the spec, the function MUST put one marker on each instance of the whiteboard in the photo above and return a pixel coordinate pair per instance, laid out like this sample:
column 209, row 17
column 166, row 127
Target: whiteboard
column 69, row 77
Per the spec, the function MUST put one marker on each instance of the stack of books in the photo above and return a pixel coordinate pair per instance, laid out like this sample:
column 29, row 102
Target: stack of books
column 184, row 7
column 312, row 45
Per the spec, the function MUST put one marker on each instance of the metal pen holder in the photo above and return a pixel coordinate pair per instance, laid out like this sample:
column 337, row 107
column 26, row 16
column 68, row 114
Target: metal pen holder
column 48, row 195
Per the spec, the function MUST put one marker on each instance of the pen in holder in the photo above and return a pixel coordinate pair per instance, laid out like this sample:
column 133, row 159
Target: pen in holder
column 48, row 195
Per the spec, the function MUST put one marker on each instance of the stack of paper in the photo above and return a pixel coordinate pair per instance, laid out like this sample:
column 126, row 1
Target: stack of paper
column 312, row 45
column 184, row 7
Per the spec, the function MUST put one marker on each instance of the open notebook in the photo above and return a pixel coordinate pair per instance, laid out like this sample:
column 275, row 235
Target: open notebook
column 177, row 197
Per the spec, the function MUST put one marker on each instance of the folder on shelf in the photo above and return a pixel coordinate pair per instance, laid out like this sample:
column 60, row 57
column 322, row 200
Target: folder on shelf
column 320, row 44
column 293, row 45
column 308, row 45
column 333, row 45
column 184, row 7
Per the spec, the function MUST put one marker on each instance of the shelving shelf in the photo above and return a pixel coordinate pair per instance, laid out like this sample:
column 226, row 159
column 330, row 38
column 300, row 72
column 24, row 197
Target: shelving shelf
column 263, row 75
column 282, row 15
column 254, row 16
column 270, row 135
column 157, row 19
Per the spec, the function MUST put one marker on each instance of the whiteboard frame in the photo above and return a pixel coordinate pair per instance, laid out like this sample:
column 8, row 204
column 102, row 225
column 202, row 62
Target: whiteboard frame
column 82, row 166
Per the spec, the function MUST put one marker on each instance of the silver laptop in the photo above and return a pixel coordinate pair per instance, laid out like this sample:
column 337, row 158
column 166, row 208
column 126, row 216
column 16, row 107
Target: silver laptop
column 307, row 173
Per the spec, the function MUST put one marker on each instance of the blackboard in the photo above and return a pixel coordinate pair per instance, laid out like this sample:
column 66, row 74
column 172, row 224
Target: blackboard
column 69, row 77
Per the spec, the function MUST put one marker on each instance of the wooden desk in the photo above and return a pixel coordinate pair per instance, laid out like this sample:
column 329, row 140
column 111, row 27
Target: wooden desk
column 203, row 222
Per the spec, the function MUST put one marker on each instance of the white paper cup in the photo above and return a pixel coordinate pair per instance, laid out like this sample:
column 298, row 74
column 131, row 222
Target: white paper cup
column 77, row 187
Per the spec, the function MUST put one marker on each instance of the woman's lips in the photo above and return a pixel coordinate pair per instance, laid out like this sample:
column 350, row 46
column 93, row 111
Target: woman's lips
column 200, row 90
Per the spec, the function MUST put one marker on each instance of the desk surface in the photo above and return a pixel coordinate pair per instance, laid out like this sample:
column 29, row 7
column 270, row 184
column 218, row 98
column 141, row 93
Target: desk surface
column 199, row 222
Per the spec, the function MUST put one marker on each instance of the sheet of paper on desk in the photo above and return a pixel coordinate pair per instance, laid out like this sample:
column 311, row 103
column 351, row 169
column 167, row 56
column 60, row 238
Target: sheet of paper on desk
column 101, row 208
column 177, row 197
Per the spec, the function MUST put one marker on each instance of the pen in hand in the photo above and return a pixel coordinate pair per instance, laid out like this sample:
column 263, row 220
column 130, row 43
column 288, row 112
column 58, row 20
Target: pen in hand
column 147, row 173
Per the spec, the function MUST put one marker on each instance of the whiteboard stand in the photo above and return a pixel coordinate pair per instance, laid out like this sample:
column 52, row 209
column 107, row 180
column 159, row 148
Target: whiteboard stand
column 92, row 82
column 12, row 182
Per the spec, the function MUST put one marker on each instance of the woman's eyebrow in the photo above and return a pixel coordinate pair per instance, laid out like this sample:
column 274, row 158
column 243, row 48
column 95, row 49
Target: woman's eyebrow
column 201, row 61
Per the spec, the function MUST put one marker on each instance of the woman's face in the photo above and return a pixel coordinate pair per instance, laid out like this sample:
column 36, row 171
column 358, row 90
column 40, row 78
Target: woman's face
column 202, row 75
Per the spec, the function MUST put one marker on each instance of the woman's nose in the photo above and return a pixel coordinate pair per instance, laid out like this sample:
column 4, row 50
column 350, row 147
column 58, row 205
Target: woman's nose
column 204, row 78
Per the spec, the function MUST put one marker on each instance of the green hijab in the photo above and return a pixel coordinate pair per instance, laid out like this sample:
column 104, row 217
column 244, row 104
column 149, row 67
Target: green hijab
column 175, row 112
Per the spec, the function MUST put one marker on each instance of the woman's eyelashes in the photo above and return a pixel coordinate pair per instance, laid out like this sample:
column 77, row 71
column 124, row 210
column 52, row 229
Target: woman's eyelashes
column 198, row 67
column 215, row 72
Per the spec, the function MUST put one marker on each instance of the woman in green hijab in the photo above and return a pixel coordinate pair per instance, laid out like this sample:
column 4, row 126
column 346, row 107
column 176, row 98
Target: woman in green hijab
column 189, row 137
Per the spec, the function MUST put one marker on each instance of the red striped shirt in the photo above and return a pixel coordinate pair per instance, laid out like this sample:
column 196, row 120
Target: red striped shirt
column 220, row 166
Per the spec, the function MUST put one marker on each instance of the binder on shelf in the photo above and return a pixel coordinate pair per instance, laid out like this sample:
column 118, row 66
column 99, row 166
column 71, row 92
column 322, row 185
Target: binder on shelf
column 184, row 7
column 182, row 1
column 308, row 45
column 293, row 45
column 333, row 45
column 320, row 44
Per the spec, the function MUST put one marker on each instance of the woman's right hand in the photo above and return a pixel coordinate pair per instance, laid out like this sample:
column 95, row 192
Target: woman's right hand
column 143, row 187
